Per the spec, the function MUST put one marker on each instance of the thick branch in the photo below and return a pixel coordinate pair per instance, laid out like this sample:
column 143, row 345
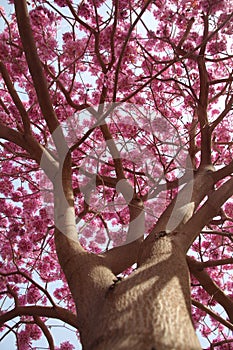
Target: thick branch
column 11, row 135
column 34, row 64
column 211, row 287
column 203, row 216
column 41, row 311
column 112, row 43
column 220, row 81
column 186, row 33
column 203, row 103
column 64, row 213
column 212, row 263
column 33, row 148
column 182, row 207
column 223, row 172
column 120, row 258
column 205, row 35
column 113, row 150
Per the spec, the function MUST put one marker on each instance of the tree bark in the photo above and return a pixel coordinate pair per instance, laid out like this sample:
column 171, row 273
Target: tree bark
column 148, row 310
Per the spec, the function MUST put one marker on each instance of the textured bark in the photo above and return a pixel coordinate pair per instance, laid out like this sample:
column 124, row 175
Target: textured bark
column 148, row 310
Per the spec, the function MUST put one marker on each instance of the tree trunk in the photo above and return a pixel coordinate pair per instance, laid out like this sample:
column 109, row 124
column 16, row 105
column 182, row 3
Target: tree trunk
column 148, row 310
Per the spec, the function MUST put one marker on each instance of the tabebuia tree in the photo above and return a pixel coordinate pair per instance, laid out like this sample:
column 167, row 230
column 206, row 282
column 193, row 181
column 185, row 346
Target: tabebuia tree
column 116, row 174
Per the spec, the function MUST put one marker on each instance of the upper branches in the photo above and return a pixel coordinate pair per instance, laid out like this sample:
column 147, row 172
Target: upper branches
column 35, row 66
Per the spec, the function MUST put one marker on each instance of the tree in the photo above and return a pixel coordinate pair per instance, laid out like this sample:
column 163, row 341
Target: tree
column 119, row 113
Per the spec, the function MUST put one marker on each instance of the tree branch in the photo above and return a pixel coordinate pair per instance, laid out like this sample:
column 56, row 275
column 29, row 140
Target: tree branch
column 34, row 65
column 33, row 148
column 212, row 263
column 124, row 46
column 41, row 311
column 46, row 332
column 113, row 150
column 212, row 314
column 120, row 258
column 74, row 13
column 77, row 107
column 203, row 102
column 25, row 275
column 11, row 135
column 227, row 109
column 182, row 207
column 210, row 286
column 186, row 33
column 18, row 103
column 221, row 173
column 203, row 216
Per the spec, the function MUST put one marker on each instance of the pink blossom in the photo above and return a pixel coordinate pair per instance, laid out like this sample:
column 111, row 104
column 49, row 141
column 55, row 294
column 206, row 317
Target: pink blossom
column 23, row 340
column 25, row 245
column 61, row 3
column 66, row 346
column 33, row 295
column 34, row 331
column 217, row 47
column 212, row 6
column 84, row 10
